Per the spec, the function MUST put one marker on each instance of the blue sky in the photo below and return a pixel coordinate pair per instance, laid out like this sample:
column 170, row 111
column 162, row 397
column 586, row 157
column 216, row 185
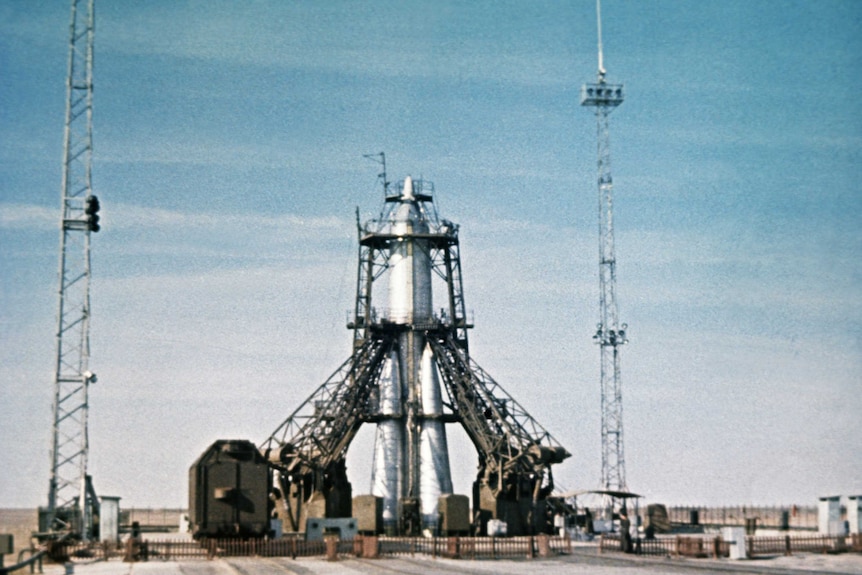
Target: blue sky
column 228, row 159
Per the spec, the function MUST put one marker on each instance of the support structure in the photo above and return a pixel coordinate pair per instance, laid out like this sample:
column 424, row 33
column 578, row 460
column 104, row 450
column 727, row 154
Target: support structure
column 401, row 354
column 72, row 502
column 610, row 334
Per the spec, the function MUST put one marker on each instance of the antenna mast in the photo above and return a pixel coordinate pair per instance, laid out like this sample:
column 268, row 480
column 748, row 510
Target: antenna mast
column 382, row 175
column 610, row 335
column 601, row 54
column 72, row 500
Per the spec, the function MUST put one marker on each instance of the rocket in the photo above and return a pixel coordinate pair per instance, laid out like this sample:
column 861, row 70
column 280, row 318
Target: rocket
column 411, row 455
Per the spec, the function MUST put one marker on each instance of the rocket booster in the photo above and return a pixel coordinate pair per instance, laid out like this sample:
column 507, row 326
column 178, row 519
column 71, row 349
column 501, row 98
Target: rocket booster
column 411, row 456
column 409, row 262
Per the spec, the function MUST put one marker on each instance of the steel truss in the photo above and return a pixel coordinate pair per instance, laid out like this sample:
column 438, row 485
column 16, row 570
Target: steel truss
column 444, row 253
column 610, row 335
column 71, row 499
column 308, row 449
column 511, row 444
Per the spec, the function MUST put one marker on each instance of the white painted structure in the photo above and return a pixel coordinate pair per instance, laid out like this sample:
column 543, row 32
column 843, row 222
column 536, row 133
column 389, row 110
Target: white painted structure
column 411, row 455
column 735, row 536
column 829, row 516
column 854, row 513
column 109, row 519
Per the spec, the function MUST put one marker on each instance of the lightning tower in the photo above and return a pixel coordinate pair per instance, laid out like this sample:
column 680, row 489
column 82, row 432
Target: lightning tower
column 72, row 500
column 610, row 335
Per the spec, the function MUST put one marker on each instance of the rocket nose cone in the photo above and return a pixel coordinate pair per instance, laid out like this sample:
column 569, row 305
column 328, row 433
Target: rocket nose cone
column 407, row 193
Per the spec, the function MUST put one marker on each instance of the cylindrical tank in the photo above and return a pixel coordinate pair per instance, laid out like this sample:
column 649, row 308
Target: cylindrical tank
column 434, row 474
column 229, row 486
column 411, row 458
column 409, row 263
column 388, row 444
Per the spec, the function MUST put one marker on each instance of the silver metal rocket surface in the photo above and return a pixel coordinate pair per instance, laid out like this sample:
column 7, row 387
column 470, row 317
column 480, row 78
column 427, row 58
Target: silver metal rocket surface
column 411, row 456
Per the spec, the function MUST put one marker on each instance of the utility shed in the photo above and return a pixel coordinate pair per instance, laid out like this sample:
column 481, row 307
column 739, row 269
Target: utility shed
column 109, row 519
column 454, row 513
column 854, row 513
column 229, row 487
column 829, row 516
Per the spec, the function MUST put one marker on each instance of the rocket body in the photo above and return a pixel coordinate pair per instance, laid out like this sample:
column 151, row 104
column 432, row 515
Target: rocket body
column 411, row 456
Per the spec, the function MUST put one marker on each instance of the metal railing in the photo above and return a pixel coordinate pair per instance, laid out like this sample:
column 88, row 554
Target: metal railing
column 470, row 547
column 788, row 545
column 361, row 546
column 770, row 516
column 716, row 547
column 151, row 519
column 678, row 546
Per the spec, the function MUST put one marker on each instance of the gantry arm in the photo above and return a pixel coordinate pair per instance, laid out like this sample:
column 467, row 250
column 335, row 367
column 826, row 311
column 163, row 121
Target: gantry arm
column 509, row 441
column 318, row 433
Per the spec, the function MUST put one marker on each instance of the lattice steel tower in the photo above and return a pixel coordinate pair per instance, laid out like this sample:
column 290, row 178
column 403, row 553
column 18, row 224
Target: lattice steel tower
column 71, row 498
column 610, row 335
column 409, row 374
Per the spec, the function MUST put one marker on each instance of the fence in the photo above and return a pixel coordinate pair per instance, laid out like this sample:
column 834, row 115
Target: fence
column 811, row 544
column 152, row 519
column 716, row 547
column 62, row 551
column 473, row 547
column 453, row 547
column 774, row 517
column 676, row 546
column 168, row 550
column 284, row 547
column 797, row 517
column 495, row 547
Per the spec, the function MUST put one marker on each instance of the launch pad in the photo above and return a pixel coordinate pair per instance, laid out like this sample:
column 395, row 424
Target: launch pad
column 402, row 352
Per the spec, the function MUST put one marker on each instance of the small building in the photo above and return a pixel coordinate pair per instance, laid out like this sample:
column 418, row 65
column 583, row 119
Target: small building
column 368, row 510
column 829, row 516
column 109, row 519
column 854, row 514
column 318, row 527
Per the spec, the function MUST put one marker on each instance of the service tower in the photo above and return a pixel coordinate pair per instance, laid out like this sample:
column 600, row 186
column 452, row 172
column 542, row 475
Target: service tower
column 411, row 458
column 406, row 353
